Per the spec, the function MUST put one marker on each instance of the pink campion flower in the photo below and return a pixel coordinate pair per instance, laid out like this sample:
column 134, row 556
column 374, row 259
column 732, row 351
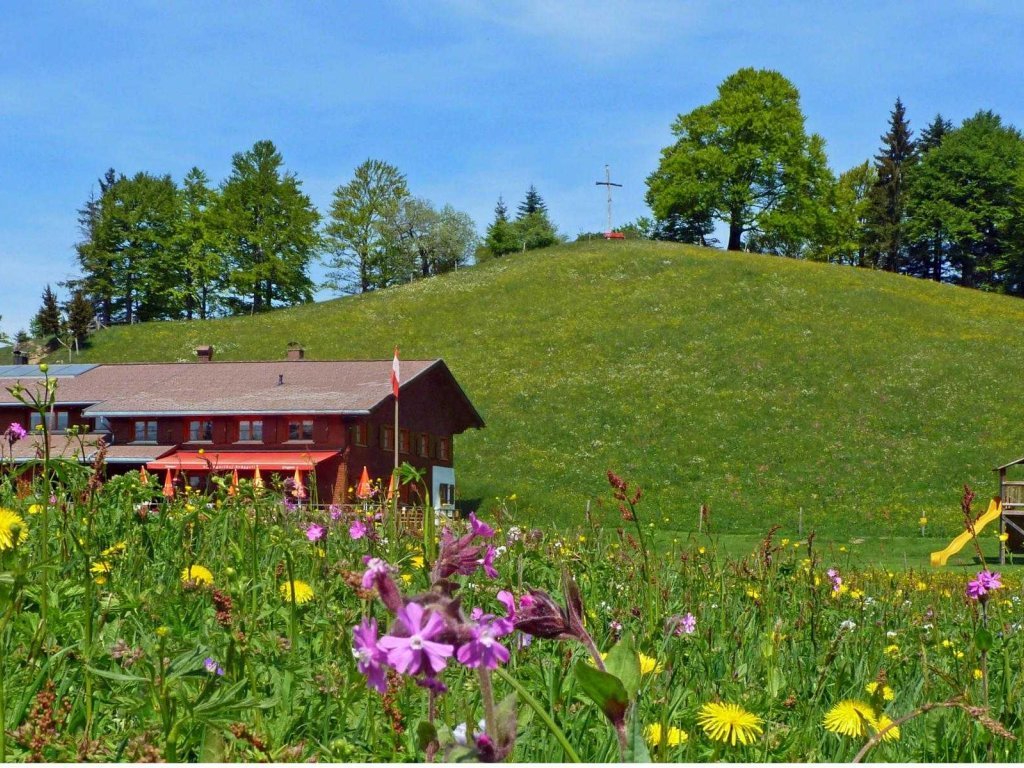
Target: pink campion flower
column 374, row 567
column 986, row 581
column 505, row 598
column 487, row 563
column 371, row 658
column 15, row 432
column 483, row 649
column 357, row 530
column 314, row 532
column 418, row 652
column 689, row 624
column 335, row 511
column 479, row 528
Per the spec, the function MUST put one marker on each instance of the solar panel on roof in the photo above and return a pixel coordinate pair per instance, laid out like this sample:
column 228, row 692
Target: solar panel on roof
column 61, row 370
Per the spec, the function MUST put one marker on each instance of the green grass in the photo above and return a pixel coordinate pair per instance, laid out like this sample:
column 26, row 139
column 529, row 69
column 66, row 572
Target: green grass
column 764, row 387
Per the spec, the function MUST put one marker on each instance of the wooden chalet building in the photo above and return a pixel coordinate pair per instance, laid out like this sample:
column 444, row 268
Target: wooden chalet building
column 326, row 419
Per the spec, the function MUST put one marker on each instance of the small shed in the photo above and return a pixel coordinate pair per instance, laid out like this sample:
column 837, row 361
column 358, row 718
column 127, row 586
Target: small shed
column 1011, row 491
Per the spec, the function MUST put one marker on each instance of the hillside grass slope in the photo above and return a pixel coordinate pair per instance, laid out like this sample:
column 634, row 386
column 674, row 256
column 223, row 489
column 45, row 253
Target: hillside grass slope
column 755, row 384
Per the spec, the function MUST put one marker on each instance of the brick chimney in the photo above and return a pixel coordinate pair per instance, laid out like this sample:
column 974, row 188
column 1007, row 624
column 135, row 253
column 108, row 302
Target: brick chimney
column 295, row 352
column 20, row 358
column 204, row 353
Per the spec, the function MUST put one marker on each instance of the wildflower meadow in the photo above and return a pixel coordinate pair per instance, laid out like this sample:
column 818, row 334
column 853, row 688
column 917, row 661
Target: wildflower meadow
column 239, row 624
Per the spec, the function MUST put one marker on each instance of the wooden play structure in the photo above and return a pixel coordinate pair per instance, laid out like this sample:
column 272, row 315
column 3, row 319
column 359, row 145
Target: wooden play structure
column 1011, row 491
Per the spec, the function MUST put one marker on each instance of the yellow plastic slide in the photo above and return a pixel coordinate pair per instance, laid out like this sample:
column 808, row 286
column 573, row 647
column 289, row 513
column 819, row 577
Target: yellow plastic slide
column 995, row 509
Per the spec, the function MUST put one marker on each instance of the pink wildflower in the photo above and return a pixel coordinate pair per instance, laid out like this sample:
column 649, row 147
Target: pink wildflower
column 487, row 563
column 370, row 657
column 480, row 528
column 986, row 581
column 15, row 432
column 418, row 652
column 374, row 567
column 315, row 532
column 357, row 530
column 483, row 650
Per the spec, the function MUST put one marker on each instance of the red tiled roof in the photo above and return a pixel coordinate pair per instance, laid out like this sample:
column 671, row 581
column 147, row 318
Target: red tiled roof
column 306, row 386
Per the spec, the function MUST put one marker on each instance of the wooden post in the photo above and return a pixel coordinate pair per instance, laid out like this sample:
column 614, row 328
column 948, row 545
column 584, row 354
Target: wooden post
column 800, row 523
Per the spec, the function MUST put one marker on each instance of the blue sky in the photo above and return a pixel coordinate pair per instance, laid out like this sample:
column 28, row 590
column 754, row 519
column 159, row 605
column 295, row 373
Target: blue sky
column 471, row 99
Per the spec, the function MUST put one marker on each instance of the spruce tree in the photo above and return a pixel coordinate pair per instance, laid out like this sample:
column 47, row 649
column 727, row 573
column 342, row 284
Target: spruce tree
column 928, row 249
column 79, row 318
column 47, row 322
column 933, row 134
column 532, row 203
column 500, row 237
column 886, row 216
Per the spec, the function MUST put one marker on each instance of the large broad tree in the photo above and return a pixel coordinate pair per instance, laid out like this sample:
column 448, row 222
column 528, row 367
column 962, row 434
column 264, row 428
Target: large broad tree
column 128, row 267
column 885, row 229
column 93, row 255
column 435, row 241
column 968, row 193
column 746, row 160
column 926, row 251
column 849, row 211
column 267, row 228
column 365, row 253
column 201, row 259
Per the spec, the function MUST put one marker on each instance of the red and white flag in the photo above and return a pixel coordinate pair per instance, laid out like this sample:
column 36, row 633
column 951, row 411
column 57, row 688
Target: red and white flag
column 394, row 374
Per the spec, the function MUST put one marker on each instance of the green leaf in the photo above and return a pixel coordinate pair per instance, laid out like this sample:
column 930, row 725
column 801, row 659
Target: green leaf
column 624, row 663
column 636, row 747
column 983, row 639
column 603, row 689
column 425, row 733
column 118, row 677
column 505, row 722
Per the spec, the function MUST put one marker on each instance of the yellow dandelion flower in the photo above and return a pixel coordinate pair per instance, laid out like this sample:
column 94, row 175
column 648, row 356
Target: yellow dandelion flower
column 673, row 738
column 649, row 665
column 35, row 509
column 417, row 561
column 887, row 693
column 947, row 643
column 921, row 586
column 100, row 570
column 784, row 542
column 959, row 654
column 116, row 549
column 9, row 521
column 197, row 573
column 978, row 674
column 406, row 578
column 299, row 591
column 701, row 550
column 582, row 539
column 884, row 721
column 856, row 594
column 850, row 718
column 892, row 650
column 753, row 594
column 842, row 549
column 729, row 723
column 513, row 497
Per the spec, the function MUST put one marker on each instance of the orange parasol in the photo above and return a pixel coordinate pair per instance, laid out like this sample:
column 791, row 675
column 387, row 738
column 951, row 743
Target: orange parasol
column 233, row 489
column 391, row 487
column 143, row 477
column 257, row 479
column 300, row 492
column 363, row 489
column 169, row 485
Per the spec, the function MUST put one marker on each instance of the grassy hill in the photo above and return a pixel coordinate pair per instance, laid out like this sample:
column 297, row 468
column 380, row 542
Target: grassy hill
column 755, row 384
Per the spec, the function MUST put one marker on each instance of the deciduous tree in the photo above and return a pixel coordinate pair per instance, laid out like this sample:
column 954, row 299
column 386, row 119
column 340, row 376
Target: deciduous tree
column 267, row 228
column 361, row 232
column 744, row 159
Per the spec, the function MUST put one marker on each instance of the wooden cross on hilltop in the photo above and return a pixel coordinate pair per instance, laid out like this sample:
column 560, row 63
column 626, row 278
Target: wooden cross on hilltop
column 608, row 184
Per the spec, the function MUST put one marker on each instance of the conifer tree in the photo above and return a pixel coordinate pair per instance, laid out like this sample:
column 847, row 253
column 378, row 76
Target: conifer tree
column 500, row 237
column 933, row 134
column 80, row 315
column 927, row 250
column 532, row 203
column 267, row 228
column 885, row 235
column 47, row 322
